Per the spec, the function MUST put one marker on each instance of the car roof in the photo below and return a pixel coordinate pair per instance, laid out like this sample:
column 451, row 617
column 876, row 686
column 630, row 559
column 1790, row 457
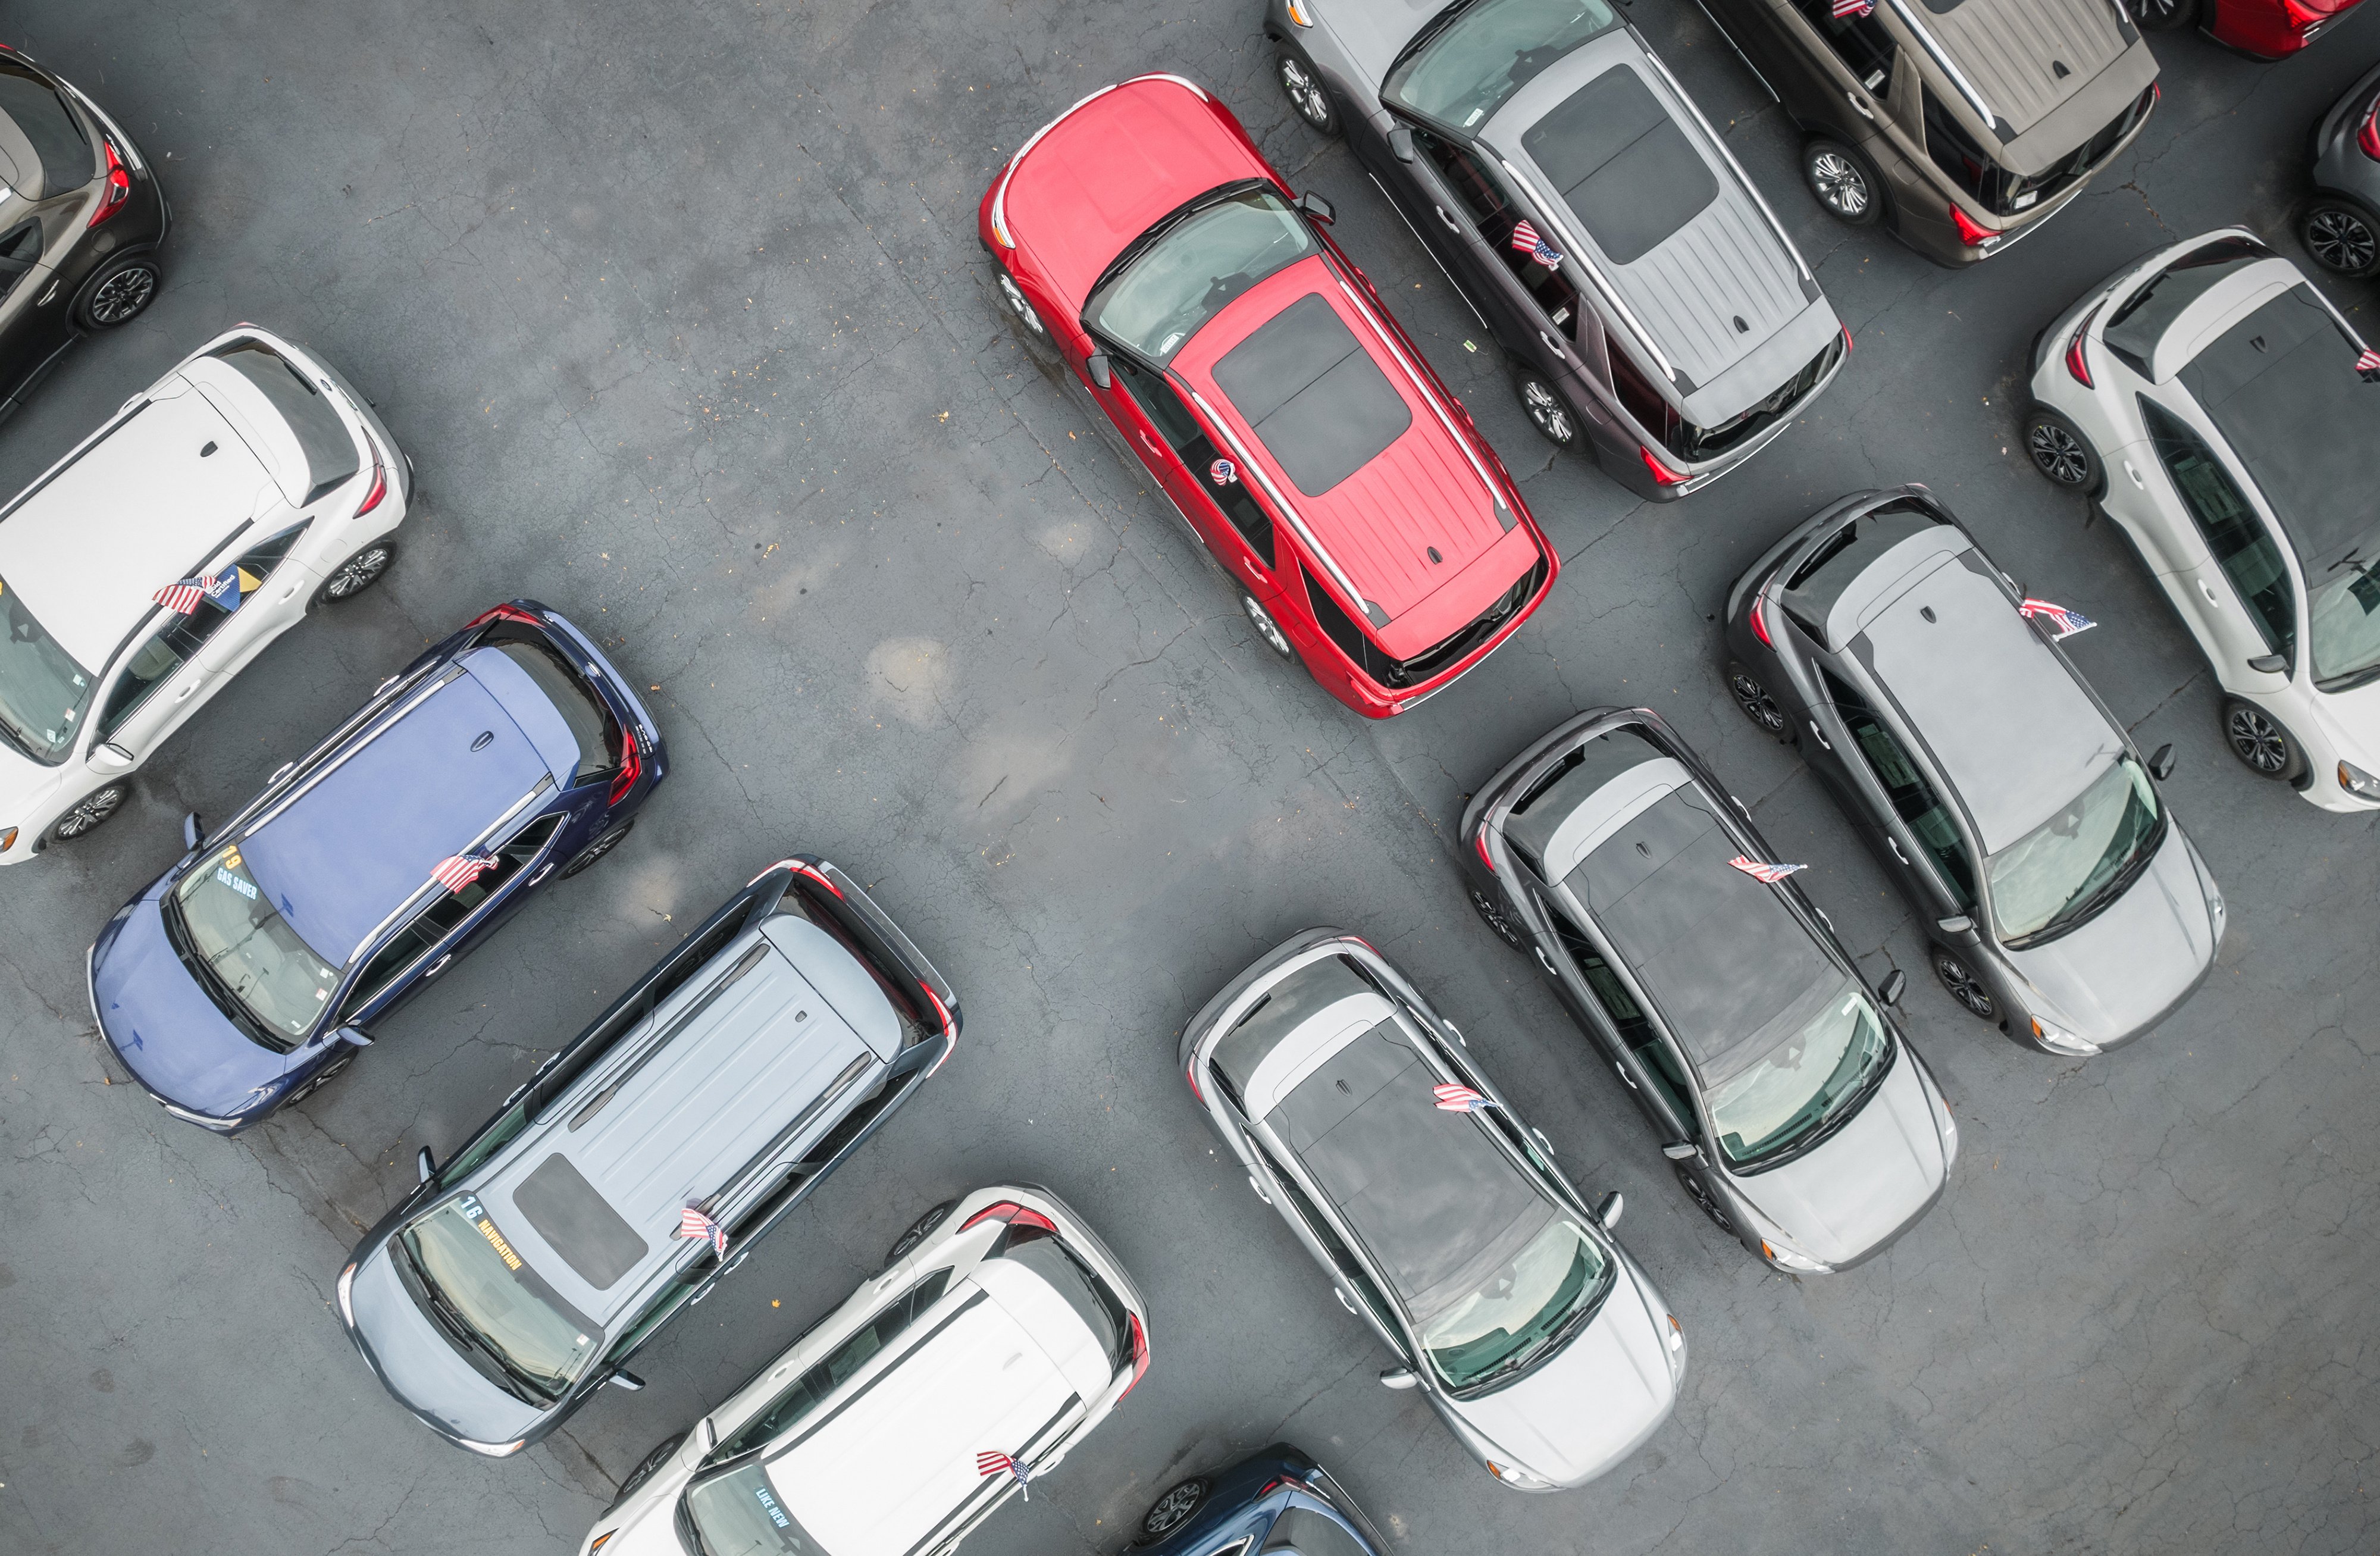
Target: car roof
column 358, row 841
column 135, row 511
column 1105, row 172
column 1555, row 823
column 1006, row 1366
column 781, row 1019
column 1353, row 439
column 2007, row 50
column 1681, row 237
column 2008, row 722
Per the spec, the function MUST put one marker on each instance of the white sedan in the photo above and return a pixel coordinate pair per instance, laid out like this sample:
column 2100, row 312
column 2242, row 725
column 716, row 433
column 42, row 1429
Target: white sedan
column 148, row 567
column 2225, row 413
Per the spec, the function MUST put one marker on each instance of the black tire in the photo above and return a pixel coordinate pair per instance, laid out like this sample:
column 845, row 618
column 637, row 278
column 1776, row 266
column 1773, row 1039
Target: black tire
column 2262, row 742
column 1492, row 913
column 319, row 1079
column 597, row 848
column 1019, row 307
column 358, row 573
column 646, row 1468
column 1843, row 181
column 1959, row 980
column 2161, row 16
column 1547, row 412
column 1303, row 85
column 1268, row 630
column 120, row 293
column 90, row 812
column 2342, row 236
column 918, row 1231
column 2062, row 455
column 1757, row 705
column 1177, row 1506
column 1703, row 1200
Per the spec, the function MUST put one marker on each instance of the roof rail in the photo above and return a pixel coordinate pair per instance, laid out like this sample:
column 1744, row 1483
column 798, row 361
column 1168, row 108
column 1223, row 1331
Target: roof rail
column 1372, row 613
column 1942, row 57
column 1423, row 389
column 1577, row 250
column 1741, row 177
column 486, row 835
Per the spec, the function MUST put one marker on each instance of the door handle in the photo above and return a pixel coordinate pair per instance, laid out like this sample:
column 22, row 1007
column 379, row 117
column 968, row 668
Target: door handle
column 1859, row 107
column 1152, row 446
column 539, row 875
column 1894, row 843
column 2204, row 589
column 1452, row 224
column 2135, row 475
column 1345, row 1300
column 1821, row 735
column 1545, row 961
column 1552, row 344
column 437, row 966
column 1623, row 1077
column 189, row 685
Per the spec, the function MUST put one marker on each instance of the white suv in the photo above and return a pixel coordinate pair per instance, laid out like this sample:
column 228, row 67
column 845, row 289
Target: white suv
column 1000, row 1332
column 2220, row 408
column 252, row 473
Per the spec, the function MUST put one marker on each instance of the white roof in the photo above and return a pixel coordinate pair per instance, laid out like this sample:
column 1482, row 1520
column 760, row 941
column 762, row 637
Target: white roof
column 1307, row 1049
column 1612, row 806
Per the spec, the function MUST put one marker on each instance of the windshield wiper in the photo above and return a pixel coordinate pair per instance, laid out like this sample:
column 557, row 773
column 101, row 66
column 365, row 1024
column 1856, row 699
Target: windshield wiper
column 449, row 1318
column 209, row 977
column 2087, row 908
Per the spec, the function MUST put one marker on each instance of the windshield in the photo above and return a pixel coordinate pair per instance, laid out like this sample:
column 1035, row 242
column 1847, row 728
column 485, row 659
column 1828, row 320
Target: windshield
column 228, row 923
column 489, row 1298
column 1488, row 52
column 42, row 690
column 2343, row 616
column 1803, row 1083
column 736, row 1512
column 2054, row 875
column 1192, row 272
column 1558, row 1274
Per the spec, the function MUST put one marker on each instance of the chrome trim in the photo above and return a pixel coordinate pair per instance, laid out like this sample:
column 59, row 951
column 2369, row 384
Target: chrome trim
column 1414, row 378
column 1941, row 56
column 315, row 777
column 485, row 834
column 1741, row 177
column 1577, row 252
column 1329, row 564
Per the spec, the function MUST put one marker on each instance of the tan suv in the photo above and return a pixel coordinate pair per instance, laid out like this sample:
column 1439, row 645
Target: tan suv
column 1960, row 124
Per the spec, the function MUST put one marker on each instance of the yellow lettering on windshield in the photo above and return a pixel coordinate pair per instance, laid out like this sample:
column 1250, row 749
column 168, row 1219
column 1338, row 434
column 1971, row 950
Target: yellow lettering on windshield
column 497, row 1240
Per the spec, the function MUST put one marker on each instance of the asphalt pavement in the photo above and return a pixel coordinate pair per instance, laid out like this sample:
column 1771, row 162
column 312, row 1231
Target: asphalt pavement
column 680, row 312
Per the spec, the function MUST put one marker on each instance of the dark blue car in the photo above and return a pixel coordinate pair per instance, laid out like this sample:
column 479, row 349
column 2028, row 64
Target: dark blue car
column 1276, row 1499
column 509, row 757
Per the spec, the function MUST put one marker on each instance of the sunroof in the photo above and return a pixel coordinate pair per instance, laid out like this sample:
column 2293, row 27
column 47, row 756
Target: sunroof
column 1622, row 164
column 1320, row 404
column 578, row 1222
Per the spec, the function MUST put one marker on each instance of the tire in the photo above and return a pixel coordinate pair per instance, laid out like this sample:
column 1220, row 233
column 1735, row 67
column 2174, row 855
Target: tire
column 1268, row 630
column 1959, row 982
column 1547, row 411
column 1020, row 307
column 1842, row 180
column 1302, row 84
column 2261, row 742
column 2062, row 455
column 88, row 814
column 917, row 1232
column 119, row 293
column 646, row 1469
column 2161, row 16
column 358, row 573
column 1178, row 1505
column 2342, row 236
column 1702, row 1199
column 1492, row 913
column 1757, row 705
column 319, row 1079
column 597, row 848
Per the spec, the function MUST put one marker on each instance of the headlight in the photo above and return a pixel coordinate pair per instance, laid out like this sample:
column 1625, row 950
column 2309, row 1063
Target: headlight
column 1950, row 1126
column 1793, row 1259
column 1512, row 1474
column 9, row 835
column 2353, row 779
column 346, row 1302
column 2060, row 1041
column 1299, row 14
column 492, row 1449
column 204, row 1121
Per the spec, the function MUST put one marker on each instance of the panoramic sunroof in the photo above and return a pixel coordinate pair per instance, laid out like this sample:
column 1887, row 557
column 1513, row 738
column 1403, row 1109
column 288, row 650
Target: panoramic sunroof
column 1319, row 402
column 1622, row 164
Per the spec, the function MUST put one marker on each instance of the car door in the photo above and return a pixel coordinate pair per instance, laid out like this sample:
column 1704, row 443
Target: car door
column 1204, row 482
column 2238, row 600
column 273, row 590
column 156, row 683
column 1537, row 313
column 1845, row 85
column 1897, row 812
column 1358, row 1290
column 29, row 332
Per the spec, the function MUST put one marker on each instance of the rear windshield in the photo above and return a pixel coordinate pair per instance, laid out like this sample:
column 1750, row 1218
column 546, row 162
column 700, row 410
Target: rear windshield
column 591, row 723
column 2134, row 329
column 57, row 139
column 2002, row 191
column 42, row 691
column 1481, row 52
column 1071, row 1278
column 1192, row 272
column 330, row 448
column 225, row 925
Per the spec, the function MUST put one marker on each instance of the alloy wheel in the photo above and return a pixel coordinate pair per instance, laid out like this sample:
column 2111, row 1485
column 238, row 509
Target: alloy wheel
column 316, row 1081
column 2150, row 13
column 1020, row 305
column 1702, row 1197
column 1267, row 628
column 95, row 807
column 358, row 573
column 1754, row 699
column 2057, row 454
column 123, row 295
column 1306, row 93
column 597, row 848
column 2256, row 740
column 1493, row 914
column 1551, row 417
column 1172, row 1510
column 1840, row 185
column 1964, row 986
column 2342, row 241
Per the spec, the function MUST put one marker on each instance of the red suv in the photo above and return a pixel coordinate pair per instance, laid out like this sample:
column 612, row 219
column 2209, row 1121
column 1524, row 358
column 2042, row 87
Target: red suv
column 1370, row 529
column 2266, row 30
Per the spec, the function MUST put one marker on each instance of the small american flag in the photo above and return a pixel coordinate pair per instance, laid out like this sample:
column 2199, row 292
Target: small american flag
column 1846, row 9
column 992, row 1462
column 1767, row 874
column 183, row 597
column 1526, row 239
column 1223, row 472
column 693, row 1225
column 2369, row 362
column 1456, row 1099
column 2062, row 621
column 458, row 870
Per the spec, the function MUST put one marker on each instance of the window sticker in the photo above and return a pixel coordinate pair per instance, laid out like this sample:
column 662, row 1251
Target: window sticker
column 474, row 1212
column 245, row 889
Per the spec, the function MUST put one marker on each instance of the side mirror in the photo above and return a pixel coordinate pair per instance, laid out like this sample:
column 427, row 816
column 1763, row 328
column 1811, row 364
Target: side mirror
column 424, row 1168
column 1398, row 1378
column 1400, row 144
column 709, row 1432
column 1607, row 1209
column 1102, row 374
column 354, row 1037
column 2271, row 664
column 1959, row 926
column 1316, row 207
column 1895, row 984
column 624, row 1379
column 192, row 833
column 107, row 757
column 2161, row 763
column 1682, row 1150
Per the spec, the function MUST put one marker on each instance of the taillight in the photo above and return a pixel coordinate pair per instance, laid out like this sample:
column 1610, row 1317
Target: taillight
column 1480, row 843
column 632, row 767
column 941, row 1011
column 501, row 612
column 1661, row 473
column 1760, row 627
column 1191, row 1075
column 119, row 186
column 1848, row 346
column 1015, row 1215
column 378, row 489
column 801, row 869
column 1969, row 233
column 2299, row 17
column 2367, row 134
column 2078, row 367
column 1139, row 1354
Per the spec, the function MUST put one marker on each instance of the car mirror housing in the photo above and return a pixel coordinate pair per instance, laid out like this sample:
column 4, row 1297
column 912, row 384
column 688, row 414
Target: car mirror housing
column 1399, row 1378
column 107, row 757
column 424, row 1166
column 1316, row 207
column 354, row 1037
column 1958, row 926
column 193, row 834
column 2271, row 664
column 1096, row 364
column 1682, row 1150
column 1895, row 984
column 1607, row 1209
column 1401, row 143
column 624, row 1379
column 2161, row 763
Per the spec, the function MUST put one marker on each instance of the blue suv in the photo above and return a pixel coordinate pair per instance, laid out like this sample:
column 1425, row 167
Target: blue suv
column 1276, row 1499
column 510, row 755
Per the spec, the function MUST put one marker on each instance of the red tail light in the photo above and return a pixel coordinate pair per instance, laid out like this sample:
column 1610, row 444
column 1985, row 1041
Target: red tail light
column 800, row 868
column 119, row 186
column 378, row 489
column 632, row 767
column 2078, row 367
column 501, row 612
column 1970, row 233
column 1760, row 627
column 1661, row 473
column 2299, row 17
column 2367, row 134
column 1139, row 1354
column 1848, row 346
column 1013, row 1214
column 1480, row 843
column 1191, row 1075
column 941, row 1010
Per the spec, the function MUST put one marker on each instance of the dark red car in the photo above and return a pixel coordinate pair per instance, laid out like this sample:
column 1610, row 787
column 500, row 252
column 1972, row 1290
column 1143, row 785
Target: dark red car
column 2266, row 30
column 1370, row 529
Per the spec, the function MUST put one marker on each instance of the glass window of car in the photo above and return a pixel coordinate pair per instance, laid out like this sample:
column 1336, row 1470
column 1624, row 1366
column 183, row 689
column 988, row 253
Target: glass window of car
column 444, row 912
column 1913, row 799
column 1310, row 1532
column 2060, row 873
column 1182, row 430
column 2140, row 322
column 1497, row 214
column 1343, row 1259
column 1048, row 1257
column 594, row 731
column 253, row 962
column 2235, row 537
column 1996, row 188
column 1803, row 1083
column 332, row 457
column 1860, row 42
column 1627, row 1018
column 154, row 660
column 42, row 691
column 66, row 156
column 1462, row 68
column 1560, row 1273
column 663, row 1307
column 1340, row 628
column 21, row 251
column 739, row 1512
column 2343, row 620
column 1195, row 268
column 490, row 1300
column 813, row 1386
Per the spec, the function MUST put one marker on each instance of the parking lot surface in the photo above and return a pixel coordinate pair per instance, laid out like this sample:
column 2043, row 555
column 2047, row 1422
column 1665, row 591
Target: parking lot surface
column 680, row 312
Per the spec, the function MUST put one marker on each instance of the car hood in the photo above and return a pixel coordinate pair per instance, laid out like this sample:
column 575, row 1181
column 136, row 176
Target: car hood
column 421, row 1367
column 2352, row 719
column 2117, row 974
column 24, row 783
column 1593, row 1403
column 173, row 1037
column 1845, row 1198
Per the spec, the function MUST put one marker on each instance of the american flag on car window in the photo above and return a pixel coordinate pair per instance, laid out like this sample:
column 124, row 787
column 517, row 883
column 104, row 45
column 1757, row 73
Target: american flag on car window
column 2368, row 365
column 1768, row 874
column 2062, row 622
column 182, row 596
column 992, row 1462
column 1526, row 239
column 458, row 870
column 1846, row 9
column 1454, row 1099
column 693, row 1225
column 1223, row 472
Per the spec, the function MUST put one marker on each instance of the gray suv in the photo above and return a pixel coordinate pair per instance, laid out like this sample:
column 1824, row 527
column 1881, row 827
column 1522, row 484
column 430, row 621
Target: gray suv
column 1978, row 766
column 723, row 1088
